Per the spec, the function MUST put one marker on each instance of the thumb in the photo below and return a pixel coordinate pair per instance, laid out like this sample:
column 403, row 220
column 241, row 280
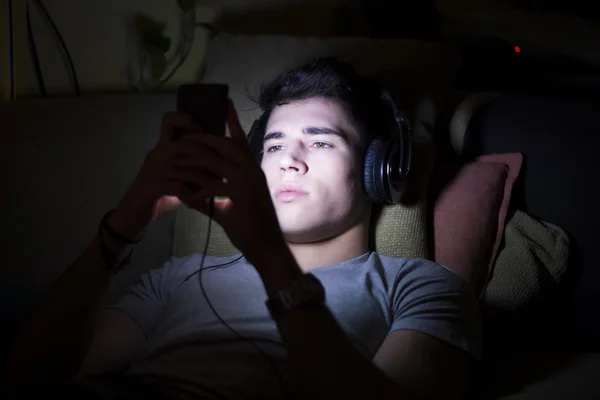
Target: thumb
column 233, row 122
column 220, row 209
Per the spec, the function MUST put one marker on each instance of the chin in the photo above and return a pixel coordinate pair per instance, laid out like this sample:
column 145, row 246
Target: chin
column 305, row 237
column 307, row 231
column 313, row 224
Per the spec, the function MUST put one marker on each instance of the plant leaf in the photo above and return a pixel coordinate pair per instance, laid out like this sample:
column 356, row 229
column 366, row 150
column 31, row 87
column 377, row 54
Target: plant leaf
column 153, row 37
column 186, row 5
column 158, row 62
column 143, row 22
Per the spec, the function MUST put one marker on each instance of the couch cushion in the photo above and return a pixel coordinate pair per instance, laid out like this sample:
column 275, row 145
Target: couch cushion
column 65, row 163
column 526, row 276
column 461, row 116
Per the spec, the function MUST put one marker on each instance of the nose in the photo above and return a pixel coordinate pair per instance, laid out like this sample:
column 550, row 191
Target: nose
column 293, row 159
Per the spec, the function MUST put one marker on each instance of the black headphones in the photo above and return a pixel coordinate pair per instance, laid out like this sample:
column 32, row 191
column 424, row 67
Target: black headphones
column 387, row 158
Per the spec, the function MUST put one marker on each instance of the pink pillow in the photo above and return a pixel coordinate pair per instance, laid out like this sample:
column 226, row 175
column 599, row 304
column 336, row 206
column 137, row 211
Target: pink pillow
column 470, row 205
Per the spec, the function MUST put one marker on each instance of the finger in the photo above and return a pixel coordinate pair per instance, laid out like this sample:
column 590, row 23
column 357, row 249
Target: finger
column 176, row 188
column 221, row 147
column 197, row 156
column 201, row 203
column 215, row 168
column 233, row 122
column 193, row 196
column 192, row 178
column 174, row 124
column 207, row 192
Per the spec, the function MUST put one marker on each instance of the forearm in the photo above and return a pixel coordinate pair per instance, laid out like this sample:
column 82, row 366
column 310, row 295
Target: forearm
column 54, row 339
column 326, row 361
column 319, row 351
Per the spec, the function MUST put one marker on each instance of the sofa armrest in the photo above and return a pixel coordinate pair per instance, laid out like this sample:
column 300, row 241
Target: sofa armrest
column 540, row 375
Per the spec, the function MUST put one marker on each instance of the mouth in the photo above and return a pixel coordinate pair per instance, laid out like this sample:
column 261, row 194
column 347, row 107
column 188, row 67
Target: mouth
column 288, row 194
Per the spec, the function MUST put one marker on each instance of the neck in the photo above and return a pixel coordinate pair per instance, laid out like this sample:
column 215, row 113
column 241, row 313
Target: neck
column 350, row 244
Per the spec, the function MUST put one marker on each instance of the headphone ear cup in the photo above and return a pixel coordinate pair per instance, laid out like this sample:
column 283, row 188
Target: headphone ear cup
column 371, row 179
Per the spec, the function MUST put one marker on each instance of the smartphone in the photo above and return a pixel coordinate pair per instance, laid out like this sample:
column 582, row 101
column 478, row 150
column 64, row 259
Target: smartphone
column 207, row 103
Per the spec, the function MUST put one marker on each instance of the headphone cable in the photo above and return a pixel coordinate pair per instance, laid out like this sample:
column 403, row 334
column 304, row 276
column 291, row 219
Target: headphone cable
column 261, row 351
column 63, row 46
column 34, row 53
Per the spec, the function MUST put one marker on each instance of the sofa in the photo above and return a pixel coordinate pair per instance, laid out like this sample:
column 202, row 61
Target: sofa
column 65, row 161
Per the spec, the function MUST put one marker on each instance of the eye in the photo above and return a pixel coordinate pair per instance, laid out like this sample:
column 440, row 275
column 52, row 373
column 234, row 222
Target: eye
column 271, row 149
column 322, row 145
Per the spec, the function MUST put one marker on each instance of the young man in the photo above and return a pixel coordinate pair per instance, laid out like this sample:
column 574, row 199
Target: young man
column 387, row 329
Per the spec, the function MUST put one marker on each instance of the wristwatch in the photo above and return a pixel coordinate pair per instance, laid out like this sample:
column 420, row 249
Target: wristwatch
column 304, row 292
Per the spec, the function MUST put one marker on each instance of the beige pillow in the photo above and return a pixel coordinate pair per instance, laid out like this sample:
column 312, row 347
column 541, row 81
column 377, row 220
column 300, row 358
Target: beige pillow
column 533, row 260
column 525, row 281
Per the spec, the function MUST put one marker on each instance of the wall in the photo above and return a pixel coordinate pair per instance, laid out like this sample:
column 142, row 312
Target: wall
column 535, row 32
column 98, row 34
column 99, row 37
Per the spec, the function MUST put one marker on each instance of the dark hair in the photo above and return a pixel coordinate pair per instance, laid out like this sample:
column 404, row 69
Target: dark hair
column 328, row 77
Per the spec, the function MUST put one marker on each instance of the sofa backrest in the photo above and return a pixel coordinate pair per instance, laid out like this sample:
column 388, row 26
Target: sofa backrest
column 64, row 162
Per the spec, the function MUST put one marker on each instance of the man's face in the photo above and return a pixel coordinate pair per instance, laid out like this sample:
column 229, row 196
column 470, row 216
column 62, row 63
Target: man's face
column 311, row 162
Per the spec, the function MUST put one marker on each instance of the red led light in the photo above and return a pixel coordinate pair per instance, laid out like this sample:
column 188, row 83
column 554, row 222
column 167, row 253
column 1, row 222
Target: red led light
column 517, row 49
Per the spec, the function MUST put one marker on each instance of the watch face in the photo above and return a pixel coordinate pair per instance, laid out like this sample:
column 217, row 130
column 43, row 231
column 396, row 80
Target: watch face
column 305, row 291
column 292, row 297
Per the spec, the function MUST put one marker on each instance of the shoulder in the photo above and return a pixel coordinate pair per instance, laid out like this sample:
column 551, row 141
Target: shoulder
column 406, row 278
column 433, row 299
column 417, row 268
column 420, row 282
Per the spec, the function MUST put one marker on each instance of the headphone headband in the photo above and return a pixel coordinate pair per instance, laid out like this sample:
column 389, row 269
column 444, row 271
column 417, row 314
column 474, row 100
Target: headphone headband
column 402, row 133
